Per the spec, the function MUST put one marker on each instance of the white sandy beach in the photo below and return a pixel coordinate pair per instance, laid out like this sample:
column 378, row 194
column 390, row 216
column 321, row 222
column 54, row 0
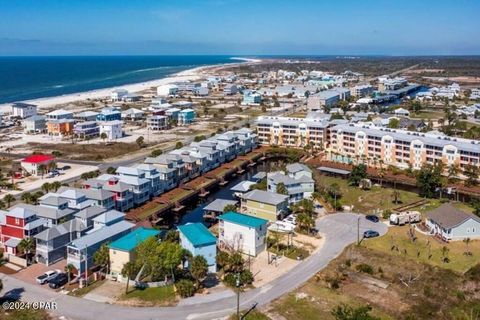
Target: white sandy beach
column 186, row 75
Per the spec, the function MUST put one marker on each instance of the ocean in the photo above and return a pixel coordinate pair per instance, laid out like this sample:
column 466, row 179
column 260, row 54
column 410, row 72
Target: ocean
column 24, row 78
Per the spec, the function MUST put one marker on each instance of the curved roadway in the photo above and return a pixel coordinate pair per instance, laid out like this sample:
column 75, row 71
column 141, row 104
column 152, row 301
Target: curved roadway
column 339, row 231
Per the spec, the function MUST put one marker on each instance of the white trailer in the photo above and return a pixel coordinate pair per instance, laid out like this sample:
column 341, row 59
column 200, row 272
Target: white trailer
column 405, row 217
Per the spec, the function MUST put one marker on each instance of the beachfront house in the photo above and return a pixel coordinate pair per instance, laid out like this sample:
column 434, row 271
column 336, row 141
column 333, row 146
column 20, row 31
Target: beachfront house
column 265, row 205
column 197, row 239
column 157, row 123
column 133, row 114
column 60, row 127
column 23, row 110
column 86, row 130
column 85, row 116
column 118, row 94
column 122, row 250
column 251, row 98
column 244, row 233
column 59, row 115
column 450, row 223
column 167, row 90
column 230, row 89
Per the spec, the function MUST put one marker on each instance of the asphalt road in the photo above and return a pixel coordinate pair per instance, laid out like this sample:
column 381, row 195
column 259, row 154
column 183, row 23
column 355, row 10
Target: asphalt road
column 339, row 231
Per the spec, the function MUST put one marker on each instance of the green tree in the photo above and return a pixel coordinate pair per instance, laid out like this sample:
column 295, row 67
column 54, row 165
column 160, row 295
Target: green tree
column 185, row 288
column 394, row 123
column 140, row 141
column 27, row 246
column 27, row 197
column 68, row 270
column 223, row 259
column 230, row 207
column 103, row 136
column 9, row 199
column 101, row 257
column 2, row 205
column 178, row 145
column 171, row 255
column 359, row 172
column 346, row 312
column 334, row 191
column 428, row 180
column 128, row 271
column 471, row 171
column 198, row 269
column 46, row 187
column 282, row 189
column 305, row 222
column 172, row 236
column 156, row 153
column 111, row 170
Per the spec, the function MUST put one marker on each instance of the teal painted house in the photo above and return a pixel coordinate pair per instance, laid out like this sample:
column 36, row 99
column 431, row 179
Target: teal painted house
column 197, row 239
column 122, row 250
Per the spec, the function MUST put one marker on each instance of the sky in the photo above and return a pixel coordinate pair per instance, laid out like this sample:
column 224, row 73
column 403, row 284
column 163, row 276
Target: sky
column 236, row 27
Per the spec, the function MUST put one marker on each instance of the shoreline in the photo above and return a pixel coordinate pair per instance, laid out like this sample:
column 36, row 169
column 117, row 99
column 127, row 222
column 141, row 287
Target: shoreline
column 192, row 74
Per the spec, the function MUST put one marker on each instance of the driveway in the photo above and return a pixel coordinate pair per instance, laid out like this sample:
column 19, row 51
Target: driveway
column 339, row 231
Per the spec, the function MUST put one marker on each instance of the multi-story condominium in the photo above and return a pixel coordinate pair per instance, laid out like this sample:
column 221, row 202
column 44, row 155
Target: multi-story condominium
column 109, row 114
column 247, row 140
column 59, row 115
column 123, row 194
column 151, row 173
column 141, row 186
column 391, row 84
column 86, row 116
column 167, row 170
column 361, row 91
column 475, row 94
column 186, row 116
column 157, row 123
column 350, row 143
column 23, row 110
column 291, row 132
column 113, row 129
column 35, row 124
column 86, row 130
column 322, row 99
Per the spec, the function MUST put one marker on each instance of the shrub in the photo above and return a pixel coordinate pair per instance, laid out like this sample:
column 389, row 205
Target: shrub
column 185, row 288
column 365, row 268
column 246, row 277
column 223, row 259
column 386, row 214
column 230, row 280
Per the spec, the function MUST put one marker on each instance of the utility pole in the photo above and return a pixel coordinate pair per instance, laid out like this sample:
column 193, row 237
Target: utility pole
column 238, row 295
column 358, row 230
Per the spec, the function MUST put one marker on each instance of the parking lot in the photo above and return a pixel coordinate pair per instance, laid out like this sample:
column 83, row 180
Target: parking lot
column 32, row 272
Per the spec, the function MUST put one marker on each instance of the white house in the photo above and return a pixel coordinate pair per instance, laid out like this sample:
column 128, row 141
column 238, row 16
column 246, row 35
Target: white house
column 59, row 115
column 23, row 110
column 242, row 232
column 113, row 129
column 451, row 223
column 402, row 112
column 167, row 90
column 118, row 94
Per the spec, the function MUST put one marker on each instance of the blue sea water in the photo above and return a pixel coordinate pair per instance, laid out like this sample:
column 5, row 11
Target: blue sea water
column 24, row 78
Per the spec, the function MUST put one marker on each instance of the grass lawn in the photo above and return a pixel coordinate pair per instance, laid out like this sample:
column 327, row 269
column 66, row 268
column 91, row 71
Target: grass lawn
column 366, row 201
column 159, row 296
column 428, row 115
column 398, row 236
column 26, row 314
column 83, row 291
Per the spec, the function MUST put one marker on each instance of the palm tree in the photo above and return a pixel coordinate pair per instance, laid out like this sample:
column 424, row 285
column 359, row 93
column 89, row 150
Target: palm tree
column 68, row 270
column 55, row 185
column 27, row 245
column 282, row 189
column 2, row 204
column 334, row 190
column 396, row 196
column 467, row 243
column 127, row 271
column 41, row 168
column 27, row 197
column 9, row 199
column 46, row 187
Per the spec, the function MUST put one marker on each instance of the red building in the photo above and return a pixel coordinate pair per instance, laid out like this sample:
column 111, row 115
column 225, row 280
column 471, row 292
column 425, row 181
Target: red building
column 16, row 224
column 32, row 164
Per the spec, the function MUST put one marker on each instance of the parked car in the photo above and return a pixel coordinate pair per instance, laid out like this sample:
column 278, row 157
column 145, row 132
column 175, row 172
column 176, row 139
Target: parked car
column 291, row 219
column 372, row 218
column 47, row 276
column 66, row 167
column 60, row 280
column 370, row 234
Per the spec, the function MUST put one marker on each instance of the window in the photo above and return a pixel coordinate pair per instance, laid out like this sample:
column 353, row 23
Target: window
column 17, row 221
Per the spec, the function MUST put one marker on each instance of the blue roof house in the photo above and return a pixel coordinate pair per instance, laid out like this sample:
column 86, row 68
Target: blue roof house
column 109, row 114
column 122, row 250
column 197, row 239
